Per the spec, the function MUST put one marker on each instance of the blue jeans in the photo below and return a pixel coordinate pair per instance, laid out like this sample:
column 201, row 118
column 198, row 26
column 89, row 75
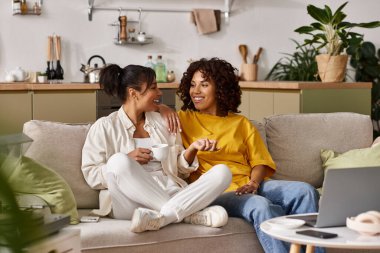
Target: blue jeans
column 275, row 198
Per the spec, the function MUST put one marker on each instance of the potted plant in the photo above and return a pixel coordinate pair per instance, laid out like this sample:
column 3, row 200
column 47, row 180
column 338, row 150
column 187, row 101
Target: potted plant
column 13, row 222
column 366, row 63
column 42, row 77
column 334, row 34
column 299, row 66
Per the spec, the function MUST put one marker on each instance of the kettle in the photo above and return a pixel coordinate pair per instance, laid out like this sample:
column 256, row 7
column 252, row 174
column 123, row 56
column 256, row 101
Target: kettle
column 91, row 74
column 18, row 75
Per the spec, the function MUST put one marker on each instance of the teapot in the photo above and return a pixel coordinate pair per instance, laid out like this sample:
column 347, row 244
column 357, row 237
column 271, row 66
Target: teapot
column 18, row 75
column 91, row 74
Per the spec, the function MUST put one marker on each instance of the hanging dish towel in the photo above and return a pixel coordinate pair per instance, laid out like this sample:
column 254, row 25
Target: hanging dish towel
column 206, row 20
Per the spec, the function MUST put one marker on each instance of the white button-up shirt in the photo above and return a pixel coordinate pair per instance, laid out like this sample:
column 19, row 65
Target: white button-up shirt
column 114, row 134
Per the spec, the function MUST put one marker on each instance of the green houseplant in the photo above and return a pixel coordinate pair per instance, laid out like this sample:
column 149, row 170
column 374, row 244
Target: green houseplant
column 17, row 226
column 299, row 66
column 11, row 218
column 366, row 63
column 334, row 34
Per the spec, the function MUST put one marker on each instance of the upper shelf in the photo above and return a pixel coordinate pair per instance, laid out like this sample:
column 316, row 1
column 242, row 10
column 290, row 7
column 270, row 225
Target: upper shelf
column 92, row 8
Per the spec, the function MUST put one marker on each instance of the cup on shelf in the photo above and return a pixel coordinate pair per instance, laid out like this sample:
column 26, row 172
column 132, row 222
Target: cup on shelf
column 32, row 76
column 248, row 72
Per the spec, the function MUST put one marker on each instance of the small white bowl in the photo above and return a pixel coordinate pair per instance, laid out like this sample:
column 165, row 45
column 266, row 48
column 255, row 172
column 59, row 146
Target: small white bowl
column 284, row 223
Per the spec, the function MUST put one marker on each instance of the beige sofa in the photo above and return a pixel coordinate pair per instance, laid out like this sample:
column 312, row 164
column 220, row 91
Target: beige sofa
column 293, row 140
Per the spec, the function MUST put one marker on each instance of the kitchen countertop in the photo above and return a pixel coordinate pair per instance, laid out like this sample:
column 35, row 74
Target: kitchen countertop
column 294, row 85
column 290, row 85
column 64, row 86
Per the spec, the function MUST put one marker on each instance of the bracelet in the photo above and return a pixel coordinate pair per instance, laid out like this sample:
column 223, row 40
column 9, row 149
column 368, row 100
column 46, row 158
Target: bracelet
column 254, row 181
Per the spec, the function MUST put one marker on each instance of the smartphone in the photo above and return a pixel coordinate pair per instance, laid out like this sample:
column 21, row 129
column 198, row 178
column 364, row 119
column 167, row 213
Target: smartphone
column 316, row 233
column 88, row 219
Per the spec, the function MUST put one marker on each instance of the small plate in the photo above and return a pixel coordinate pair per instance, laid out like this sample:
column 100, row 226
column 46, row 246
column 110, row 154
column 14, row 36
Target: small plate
column 284, row 223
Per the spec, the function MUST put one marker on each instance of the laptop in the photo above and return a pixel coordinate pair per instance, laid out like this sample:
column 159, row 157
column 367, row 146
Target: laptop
column 346, row 193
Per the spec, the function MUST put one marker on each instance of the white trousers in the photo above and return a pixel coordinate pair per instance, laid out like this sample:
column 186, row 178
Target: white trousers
column 131, row 187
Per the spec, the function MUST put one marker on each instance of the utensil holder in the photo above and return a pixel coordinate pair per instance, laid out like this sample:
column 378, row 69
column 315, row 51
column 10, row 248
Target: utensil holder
column 248, row 72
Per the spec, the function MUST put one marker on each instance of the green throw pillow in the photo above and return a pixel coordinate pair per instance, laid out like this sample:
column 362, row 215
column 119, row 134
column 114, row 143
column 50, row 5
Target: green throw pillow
column 365, row 157
column 30, row 177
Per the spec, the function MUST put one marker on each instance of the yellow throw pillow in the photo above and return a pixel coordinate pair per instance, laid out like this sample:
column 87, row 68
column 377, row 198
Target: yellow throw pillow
column 30, row 177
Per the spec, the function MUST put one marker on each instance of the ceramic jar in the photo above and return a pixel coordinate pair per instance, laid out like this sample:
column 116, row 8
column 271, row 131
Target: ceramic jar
column 170, row 77
column 19, row 74
column 9, row 77
column 141, row 37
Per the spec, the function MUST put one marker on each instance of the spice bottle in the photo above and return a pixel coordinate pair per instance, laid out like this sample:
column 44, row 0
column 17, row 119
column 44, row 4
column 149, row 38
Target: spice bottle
column 131, row 34
column 36, row 8
column 16, row 7
column 24, row 7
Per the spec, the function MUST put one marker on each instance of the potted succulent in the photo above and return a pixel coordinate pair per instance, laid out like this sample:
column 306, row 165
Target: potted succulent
column 334, row 34
column 42, row 77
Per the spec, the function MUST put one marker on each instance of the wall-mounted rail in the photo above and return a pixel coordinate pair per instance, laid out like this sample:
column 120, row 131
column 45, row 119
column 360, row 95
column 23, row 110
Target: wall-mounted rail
column 91, row 8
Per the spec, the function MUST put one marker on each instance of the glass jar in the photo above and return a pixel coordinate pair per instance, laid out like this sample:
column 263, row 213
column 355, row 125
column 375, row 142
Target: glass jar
column 131, row 34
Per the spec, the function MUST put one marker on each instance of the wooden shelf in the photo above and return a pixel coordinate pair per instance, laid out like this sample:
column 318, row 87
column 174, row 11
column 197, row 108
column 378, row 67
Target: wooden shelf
column 135, row 42
column 20, row 86
column 30, row 12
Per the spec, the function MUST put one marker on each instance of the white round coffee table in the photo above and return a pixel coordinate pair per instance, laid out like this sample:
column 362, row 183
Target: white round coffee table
column 346, row 239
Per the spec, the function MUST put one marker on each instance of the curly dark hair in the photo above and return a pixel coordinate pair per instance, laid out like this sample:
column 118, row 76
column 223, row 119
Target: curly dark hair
column 223, row 74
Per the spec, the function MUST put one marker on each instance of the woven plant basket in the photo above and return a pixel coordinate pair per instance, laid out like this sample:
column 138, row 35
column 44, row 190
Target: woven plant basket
column 332, row 68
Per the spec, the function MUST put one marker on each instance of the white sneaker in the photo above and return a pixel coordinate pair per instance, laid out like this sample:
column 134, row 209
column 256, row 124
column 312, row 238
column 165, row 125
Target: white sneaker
column 144, row 219
column 213, row 216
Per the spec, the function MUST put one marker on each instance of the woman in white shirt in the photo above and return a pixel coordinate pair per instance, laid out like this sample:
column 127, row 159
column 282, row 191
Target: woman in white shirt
column 117, row 159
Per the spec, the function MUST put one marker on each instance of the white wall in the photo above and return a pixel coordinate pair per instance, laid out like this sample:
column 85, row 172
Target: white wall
column 266, row 23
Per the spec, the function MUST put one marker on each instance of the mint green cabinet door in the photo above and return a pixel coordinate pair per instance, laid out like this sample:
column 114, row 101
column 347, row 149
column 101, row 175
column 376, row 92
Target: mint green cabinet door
column 336, row 100
column 65, row 106
column 15, row 110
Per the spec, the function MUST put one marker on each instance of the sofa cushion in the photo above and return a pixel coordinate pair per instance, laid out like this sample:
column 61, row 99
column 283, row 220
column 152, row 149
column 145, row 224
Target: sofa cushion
column 295, row 141
column 261, row 128
column 111, row 235
column 59, row 146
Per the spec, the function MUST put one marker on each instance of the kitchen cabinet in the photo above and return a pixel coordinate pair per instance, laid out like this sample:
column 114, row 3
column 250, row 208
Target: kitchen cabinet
column 78, row 103
column 169, row 97
column 15, row 109
column 68, row 103
column 262, row 99
column 106, row 104
column 65, row 106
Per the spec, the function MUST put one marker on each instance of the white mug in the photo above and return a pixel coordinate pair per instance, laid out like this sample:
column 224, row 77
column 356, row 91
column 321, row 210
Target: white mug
column 160, row 151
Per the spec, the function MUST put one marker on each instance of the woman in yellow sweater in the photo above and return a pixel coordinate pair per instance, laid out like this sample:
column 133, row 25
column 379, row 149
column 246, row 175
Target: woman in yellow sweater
column 211, row 95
